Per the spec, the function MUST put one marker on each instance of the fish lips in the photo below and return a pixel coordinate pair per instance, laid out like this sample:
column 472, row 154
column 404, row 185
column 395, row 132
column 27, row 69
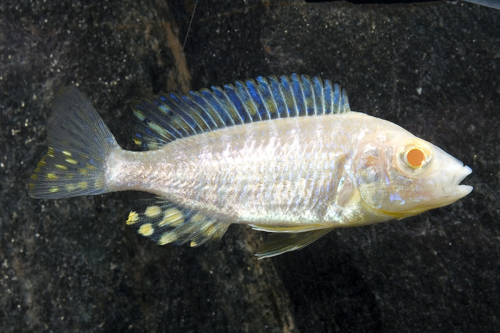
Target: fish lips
column 462, row 190
column 455, row 191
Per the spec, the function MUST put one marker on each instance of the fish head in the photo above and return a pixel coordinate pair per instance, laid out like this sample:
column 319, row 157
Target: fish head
column 400, row 175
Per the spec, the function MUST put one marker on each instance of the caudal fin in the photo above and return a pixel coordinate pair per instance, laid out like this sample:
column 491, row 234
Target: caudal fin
column 79, row 143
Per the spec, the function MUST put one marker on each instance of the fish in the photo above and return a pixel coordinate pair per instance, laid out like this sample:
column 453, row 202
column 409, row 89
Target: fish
column 284, row 155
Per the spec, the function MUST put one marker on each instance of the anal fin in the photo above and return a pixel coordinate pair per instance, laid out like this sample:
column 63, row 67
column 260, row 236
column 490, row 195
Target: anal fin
column 289, row 242
column 166, row 223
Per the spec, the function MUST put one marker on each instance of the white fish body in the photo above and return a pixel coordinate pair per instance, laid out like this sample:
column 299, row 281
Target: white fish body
column 296, row 161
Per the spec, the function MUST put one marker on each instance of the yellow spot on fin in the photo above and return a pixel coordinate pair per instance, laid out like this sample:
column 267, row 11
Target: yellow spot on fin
column 172, row 217
column 60, row 174
column 146, row 229
column 139, row 115
column 207, row 231
column 153, row 211
column 133, row 217
column 71, row 187
column 83, row 171
column 50, row 152
column 158, row 129
column 167, row 238
column 77, row 139
column 165, row 223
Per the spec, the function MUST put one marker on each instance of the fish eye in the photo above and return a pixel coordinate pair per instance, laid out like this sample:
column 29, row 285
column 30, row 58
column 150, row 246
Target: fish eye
column 415, row 155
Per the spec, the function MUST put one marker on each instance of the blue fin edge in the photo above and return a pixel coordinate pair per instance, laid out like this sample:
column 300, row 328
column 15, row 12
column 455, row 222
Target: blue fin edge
column 168, row 117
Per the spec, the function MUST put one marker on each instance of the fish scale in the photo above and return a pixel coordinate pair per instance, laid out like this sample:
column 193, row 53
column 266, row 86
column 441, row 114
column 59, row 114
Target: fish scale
column 208, row 165
column 283, row 155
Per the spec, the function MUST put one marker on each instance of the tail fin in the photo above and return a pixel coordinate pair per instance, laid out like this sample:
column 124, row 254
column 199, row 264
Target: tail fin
column 79, row 144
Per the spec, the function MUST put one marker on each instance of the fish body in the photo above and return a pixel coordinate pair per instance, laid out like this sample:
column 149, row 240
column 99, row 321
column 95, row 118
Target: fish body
column 285, row 172
column 285, row 156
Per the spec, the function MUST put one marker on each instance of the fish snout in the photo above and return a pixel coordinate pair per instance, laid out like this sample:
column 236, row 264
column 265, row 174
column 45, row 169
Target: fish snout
column 462, row 190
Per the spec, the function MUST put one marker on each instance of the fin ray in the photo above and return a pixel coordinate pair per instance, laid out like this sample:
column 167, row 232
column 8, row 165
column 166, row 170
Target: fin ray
column 79, row 143
column 168, row 117
column 288, row 229
column 165, row 223
column 289, row 242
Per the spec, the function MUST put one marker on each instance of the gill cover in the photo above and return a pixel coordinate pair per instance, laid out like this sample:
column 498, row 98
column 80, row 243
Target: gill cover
column 389, row 177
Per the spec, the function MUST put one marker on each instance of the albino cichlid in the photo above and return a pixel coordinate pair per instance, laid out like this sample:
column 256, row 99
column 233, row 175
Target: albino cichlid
column 283, row 155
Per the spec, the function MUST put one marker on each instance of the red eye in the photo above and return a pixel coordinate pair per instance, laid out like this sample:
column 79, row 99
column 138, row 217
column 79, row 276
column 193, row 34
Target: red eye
column 415, row 157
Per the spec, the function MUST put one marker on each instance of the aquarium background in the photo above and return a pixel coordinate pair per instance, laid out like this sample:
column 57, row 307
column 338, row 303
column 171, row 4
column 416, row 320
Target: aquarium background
column 73, row 264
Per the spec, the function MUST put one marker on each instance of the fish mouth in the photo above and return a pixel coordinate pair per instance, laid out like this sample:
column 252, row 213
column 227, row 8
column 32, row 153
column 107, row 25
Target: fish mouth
column 438, row 196
column 453, row 192
column 462, row 190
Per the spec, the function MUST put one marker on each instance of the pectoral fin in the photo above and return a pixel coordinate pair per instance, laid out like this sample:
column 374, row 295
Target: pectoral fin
column 289, row 242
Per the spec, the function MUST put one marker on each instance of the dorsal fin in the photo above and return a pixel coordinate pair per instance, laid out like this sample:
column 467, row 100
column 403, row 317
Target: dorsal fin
column 168, row 117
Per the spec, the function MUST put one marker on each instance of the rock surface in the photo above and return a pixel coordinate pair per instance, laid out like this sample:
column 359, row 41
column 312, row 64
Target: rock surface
column 73, row 265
